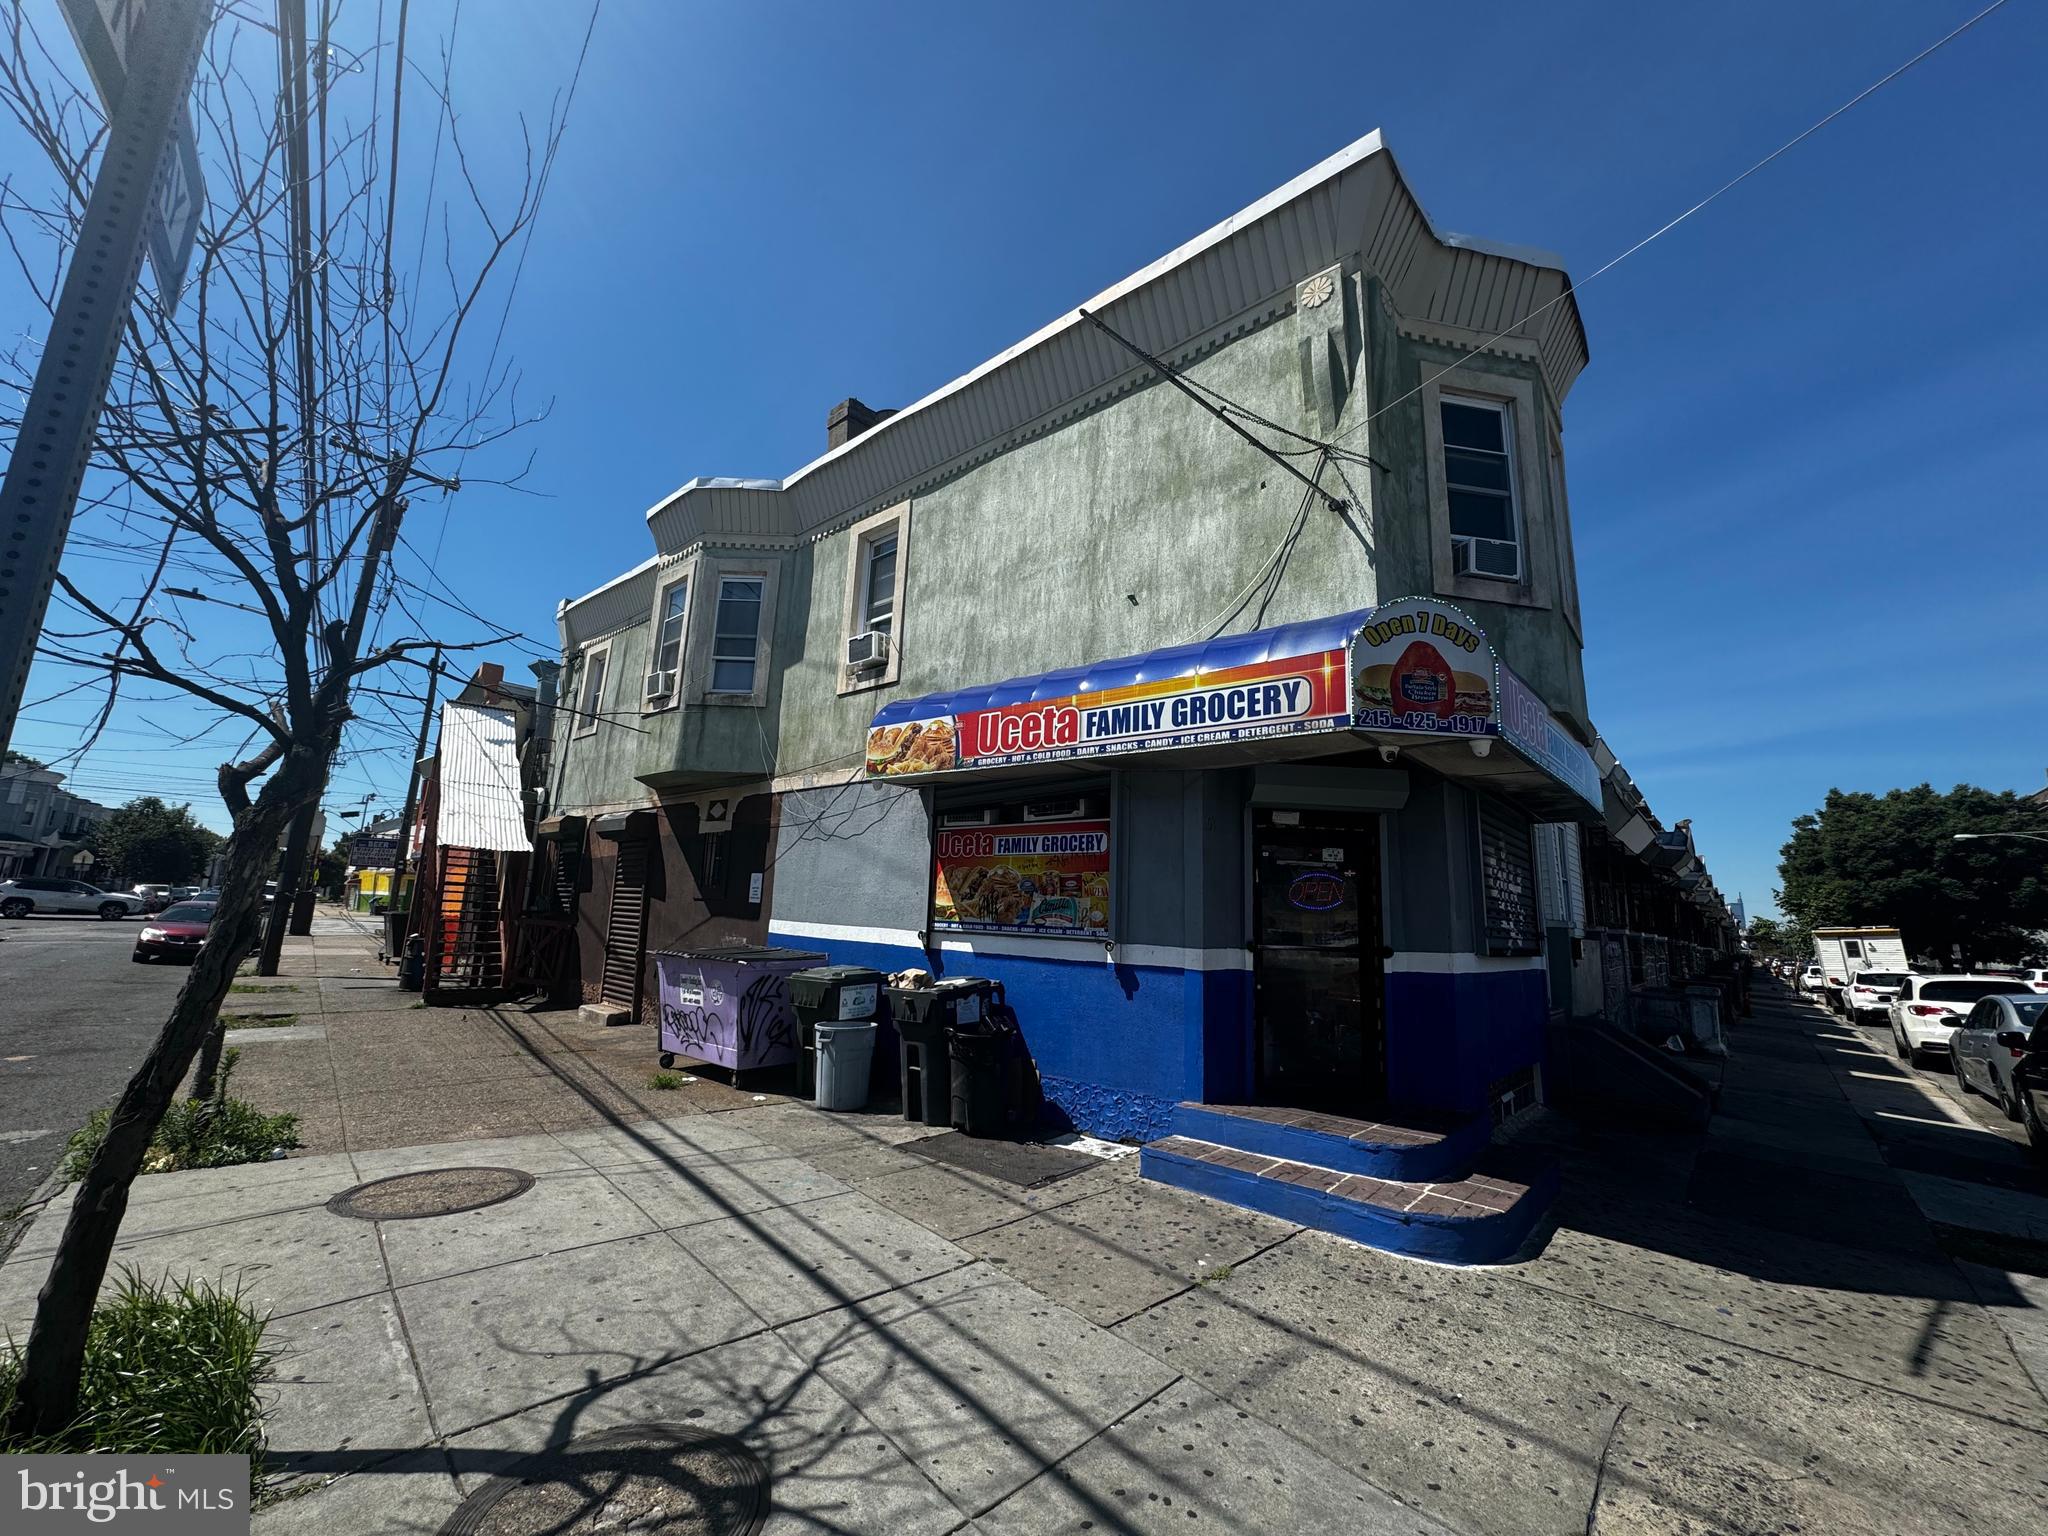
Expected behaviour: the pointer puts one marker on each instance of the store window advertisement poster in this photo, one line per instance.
(1048, 878)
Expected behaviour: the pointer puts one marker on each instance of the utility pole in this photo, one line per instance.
(412, 783)
(291, 872)
(292, 106)
(54, 442)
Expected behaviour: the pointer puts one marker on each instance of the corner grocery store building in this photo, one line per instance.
(1245, 797)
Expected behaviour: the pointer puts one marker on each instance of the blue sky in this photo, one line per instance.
(1809, 541)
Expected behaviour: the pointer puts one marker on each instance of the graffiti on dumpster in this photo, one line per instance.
(764, 1022)
(687, 1028)
(700, 1019)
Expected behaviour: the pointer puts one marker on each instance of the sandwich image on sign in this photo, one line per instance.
(916, 746)
(1422, 681)
(1421, 665)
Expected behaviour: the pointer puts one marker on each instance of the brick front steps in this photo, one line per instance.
(1479, 1213)
(1419, 1149)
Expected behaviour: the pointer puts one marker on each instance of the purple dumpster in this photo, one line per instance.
(729, 1007)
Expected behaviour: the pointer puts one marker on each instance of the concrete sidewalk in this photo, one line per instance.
(364, 1065)
(910, 1345)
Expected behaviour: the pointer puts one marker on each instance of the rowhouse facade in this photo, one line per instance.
(1257, 772)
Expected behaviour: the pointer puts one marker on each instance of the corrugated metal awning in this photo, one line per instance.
(480, 803)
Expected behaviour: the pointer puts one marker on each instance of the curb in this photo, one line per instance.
(18, 1227)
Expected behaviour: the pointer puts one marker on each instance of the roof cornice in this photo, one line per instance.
(1230, 279)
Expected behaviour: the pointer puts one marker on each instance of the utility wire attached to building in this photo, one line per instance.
(1225, 412)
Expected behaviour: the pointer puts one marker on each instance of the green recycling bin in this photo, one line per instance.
(830, 994)
(922, 1016)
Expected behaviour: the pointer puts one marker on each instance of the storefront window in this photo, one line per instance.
(1011, 867)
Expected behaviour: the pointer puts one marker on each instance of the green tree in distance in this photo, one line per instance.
(1780, 939)
(1892, 860)
(148, 840)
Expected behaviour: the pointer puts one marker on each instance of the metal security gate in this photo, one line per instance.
(625, 929)
(468, 956)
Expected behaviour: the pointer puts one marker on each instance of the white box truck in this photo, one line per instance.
(1842, 952)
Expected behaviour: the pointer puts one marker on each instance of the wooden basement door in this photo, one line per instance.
(625, 931)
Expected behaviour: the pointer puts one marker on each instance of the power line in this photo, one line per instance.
(1173, 377)
(525, 245)
(1572, 287)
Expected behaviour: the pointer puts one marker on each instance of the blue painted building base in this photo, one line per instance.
(1443, 1239)
(1445, 1157)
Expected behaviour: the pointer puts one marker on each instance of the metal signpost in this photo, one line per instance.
(141, 54)
(103, 30)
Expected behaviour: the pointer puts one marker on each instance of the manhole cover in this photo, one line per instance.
(649, 1479)
(433, 1192)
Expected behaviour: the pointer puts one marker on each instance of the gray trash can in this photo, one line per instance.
(846, 1054)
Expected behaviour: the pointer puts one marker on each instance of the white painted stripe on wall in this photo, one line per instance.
(1088, 951)
(1023, 946)
(844, 933)
(1434, 964)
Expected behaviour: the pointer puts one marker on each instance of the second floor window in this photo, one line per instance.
(668, 639)
(592, 693)
(736, 639)
(1479, 481)
(878, 584)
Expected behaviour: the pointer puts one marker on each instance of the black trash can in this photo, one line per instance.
(923, 1015)
(412, 968)
(979, 1104)
(394, 931)
(829, 994)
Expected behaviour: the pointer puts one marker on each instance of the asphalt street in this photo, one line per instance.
(76, 1016)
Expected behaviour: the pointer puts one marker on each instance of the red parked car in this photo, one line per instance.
(174, 933)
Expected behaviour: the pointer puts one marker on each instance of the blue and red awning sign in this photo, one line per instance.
(1417, 666)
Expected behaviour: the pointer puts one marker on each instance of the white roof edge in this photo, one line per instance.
(1529, 255)
(712, 483)
(617, 581)
(1357, 150)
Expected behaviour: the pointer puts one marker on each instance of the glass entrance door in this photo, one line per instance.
(1316, 960)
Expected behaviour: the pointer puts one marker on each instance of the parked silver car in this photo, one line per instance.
(1991, 1043)
(47, 893)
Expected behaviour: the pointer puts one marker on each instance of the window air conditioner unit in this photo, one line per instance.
(661, 685)
(867, 651)
(981, 816)
(1493, 559)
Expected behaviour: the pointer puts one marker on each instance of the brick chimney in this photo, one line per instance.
(849, 418)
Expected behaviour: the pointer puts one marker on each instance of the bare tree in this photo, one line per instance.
(263, 445)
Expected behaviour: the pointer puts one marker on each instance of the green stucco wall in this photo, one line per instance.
(1136, 526)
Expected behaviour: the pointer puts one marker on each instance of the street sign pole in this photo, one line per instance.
(40, 490)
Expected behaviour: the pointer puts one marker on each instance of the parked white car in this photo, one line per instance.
(1813, 980)
(47, 893)
(1991, 1042)
(1867, 999)
(1927, 1009)
(2034, 976)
